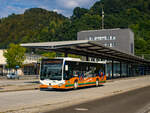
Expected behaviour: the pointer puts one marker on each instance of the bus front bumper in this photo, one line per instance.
(45, 86)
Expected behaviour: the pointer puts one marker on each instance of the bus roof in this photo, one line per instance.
(77, 60)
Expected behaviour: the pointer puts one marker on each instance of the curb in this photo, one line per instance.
(19, 90)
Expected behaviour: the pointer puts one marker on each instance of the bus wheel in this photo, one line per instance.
(97, 82)
(75, 85)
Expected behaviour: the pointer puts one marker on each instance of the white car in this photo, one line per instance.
(12, 76)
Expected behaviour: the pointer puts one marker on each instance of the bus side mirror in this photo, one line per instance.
(66, 67)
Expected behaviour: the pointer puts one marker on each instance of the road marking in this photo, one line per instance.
(81, 109)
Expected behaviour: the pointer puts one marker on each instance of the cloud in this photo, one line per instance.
(58, 10)
(16, 9)
(71, 4)
(8, 10)
(64, 7)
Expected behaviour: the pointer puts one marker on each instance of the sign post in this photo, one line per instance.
(17, 67)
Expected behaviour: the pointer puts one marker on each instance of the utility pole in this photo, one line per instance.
(102, 17)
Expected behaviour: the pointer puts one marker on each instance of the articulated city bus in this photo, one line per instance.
(65, 73)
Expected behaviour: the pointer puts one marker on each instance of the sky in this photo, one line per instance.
(65, 7)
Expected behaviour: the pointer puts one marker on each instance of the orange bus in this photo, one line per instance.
(65, 73)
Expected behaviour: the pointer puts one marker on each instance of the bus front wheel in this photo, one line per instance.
(75, 85)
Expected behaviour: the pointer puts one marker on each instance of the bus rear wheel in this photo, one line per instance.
(97, 82)
(75, 85)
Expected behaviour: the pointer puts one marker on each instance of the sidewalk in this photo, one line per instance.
(18, 85)
(18, 88)
(21, 85)
(35, 101)
(23, 77)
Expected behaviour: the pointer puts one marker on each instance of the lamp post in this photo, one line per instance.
(102, 17)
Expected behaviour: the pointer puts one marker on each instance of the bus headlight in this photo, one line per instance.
(60, 84)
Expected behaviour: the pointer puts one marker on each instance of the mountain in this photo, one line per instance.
(133, 14)
(35, 25)
(38, 25)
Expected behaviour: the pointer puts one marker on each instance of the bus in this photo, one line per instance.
(66, 73)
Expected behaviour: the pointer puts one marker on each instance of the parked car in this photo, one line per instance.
(12, 76)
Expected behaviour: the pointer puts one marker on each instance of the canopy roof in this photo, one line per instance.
(88, 48)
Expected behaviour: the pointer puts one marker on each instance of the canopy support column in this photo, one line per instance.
(66, 54)
(112, 69)
(127, 68)
(87, 58)
(120, 69)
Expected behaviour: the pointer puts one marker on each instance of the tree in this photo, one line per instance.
(78, 12)
(15, 55)
(49, 54)
(140, 46)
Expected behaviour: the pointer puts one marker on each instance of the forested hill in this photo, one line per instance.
(134, 14)
(37, 25)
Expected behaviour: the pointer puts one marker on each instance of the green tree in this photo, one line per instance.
(49, 54)
(78, 12)
(140, 45)
(15, 55)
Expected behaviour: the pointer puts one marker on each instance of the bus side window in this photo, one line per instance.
(75, 74)
(79, 74)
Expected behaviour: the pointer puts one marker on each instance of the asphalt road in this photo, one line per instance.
(136, 101)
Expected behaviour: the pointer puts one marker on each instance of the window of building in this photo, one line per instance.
(114, 44)
(103, 38)
(108, 38)
(111, 45)
(132, 48)
(113, 38)
(90, 38)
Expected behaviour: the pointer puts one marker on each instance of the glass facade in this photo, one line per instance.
(102, 38)
(111, 44)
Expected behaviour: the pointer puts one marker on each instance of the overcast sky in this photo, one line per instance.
(64, 7)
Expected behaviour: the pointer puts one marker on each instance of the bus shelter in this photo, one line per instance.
(96, 50)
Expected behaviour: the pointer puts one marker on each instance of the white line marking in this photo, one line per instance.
(81, 109)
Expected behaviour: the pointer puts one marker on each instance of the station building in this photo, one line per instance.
(119, 39)
(2, 63)
(115, 47)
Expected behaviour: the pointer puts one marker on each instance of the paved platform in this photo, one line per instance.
(10, 85)
(18, 85)
(35, 101)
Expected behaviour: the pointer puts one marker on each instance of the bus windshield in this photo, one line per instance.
(51, 69)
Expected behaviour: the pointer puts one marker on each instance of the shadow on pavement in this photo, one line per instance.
(67, 90)
(36, 82)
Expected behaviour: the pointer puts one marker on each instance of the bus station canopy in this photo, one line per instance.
(89, 49)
